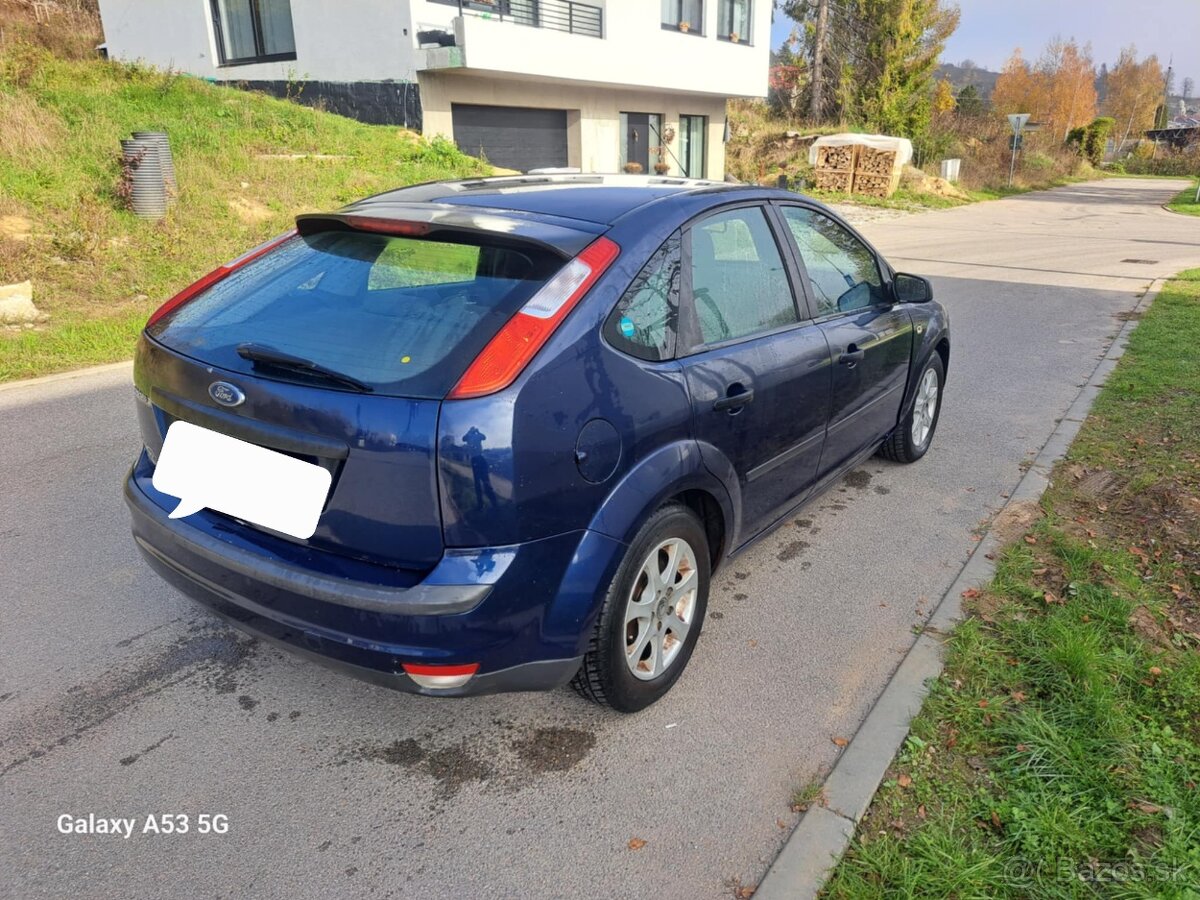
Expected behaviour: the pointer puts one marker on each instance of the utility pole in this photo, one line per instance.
(816, 110)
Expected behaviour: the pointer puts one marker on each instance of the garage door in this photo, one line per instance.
(513, 137)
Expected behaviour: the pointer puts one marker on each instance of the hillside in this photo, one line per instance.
(961, 76)
(246, 165)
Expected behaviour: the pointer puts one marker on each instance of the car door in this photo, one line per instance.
(870, 336)
(757, 369)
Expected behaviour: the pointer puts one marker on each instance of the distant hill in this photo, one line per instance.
(960, 76)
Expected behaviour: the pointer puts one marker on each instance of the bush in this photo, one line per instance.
(1146, 160)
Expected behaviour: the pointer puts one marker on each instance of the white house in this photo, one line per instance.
(527, 83)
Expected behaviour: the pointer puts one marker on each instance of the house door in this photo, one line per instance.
(640, 138)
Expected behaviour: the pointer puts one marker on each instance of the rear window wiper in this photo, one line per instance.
(270, 356)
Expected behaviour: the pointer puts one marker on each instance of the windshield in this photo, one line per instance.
(405, 316)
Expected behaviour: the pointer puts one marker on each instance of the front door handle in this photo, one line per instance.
(853, 356)
(734, 400)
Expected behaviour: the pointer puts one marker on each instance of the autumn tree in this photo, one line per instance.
(1059, 91)
(943, 98)
(1135, 90)
(1019, 89)
(1068, 77)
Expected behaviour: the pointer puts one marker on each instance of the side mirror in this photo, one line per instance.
(912, 289)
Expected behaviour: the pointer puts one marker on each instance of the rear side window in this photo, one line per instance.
(643, 322)
(739, 285)
(404, 315)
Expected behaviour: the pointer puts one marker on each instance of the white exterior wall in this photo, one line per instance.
(375, 40)
(636, 50)
(593, 114)
(361, 40)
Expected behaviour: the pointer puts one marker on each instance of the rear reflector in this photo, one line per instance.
(510, 351)
(216, 275)
(440, 676)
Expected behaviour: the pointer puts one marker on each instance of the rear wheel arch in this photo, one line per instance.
(708, 508)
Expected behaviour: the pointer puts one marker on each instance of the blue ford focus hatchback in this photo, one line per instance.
(549, 408)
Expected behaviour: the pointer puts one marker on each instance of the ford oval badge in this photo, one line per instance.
(226, 394)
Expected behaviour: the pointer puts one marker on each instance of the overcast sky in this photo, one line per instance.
(990, 29)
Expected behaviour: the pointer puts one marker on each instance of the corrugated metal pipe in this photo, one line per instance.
(148, 159)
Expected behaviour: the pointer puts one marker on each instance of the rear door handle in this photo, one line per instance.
(734, 402)
(852, 356)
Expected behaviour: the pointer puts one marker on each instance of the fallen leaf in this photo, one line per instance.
(970, 593)
(921, 811)
(1030, 539)
(780, 824)
(983, 704)
(996, 823)
(1155, 671)
(1018, 696)
(636, 843)
(1022, 748)
(840, 741)
(1142, 806)
(1052, 598)
(1042, 571)
(746, 892)
(904, 781)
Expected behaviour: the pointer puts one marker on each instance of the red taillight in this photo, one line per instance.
(510, 351)
(216, 275)
(440, 676)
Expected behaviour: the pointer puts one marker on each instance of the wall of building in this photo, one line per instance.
(635, 51)
(593, 113)
(366, 40)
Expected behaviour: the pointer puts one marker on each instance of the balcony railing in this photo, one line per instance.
(557, 15)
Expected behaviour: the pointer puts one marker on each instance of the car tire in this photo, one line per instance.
(636, 653)
(911, 439)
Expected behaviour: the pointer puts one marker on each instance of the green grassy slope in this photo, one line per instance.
(246, 165)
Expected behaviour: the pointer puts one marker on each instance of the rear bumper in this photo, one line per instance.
(523, 612)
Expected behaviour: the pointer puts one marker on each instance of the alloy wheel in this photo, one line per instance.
(660, 608)
(925, 408)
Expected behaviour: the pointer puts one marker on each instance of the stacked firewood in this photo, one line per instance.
(834, 171)
(876, 173)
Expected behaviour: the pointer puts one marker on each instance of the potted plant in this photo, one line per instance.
(662, 168)
(634, 168)
(734, 36)
(685, 26)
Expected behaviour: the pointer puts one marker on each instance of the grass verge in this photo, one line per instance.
(1058, 755)
(1185, 203)
(246, 165)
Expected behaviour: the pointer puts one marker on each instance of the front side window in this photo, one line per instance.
(844, 274)
(253, 30)
(685, 15)
(733, 20)
(643, 322)
(739, 285)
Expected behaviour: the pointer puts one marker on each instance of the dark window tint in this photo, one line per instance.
(643, 322)
(254, 30)
(843, 273)
(739, 286)
(404, 316)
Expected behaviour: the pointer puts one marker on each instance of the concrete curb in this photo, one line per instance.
(822, 836)
(66, 376)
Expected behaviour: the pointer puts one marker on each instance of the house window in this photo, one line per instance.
(250, 31)
(683, 15)
(692, 145)
(733, 21)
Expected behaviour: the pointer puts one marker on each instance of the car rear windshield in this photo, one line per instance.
(404, 316)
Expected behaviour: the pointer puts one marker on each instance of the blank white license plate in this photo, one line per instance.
(206, 469)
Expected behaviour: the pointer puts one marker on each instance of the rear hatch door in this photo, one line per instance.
(340, 345)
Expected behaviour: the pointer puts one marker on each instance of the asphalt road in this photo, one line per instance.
(120, 699)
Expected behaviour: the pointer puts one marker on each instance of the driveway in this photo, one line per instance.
(120, 699)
